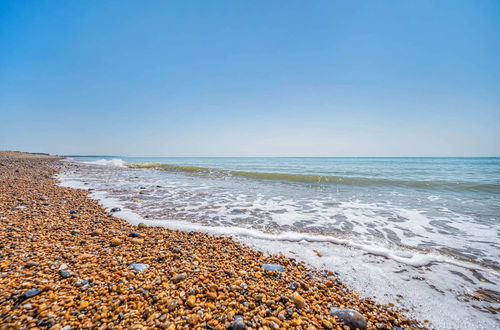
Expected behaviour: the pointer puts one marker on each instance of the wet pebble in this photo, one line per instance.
(353, 319)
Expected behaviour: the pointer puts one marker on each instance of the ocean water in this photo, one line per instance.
(420, 232)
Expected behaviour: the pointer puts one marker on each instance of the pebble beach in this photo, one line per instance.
(67, 263)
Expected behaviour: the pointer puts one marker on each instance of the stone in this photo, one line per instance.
(20, 207)
(115, 209)
(141, 225)
(327, 324)
(137, 240)
(64, 273)
(30, 264)
(138, 267)
(27, 295)
(273, 268)
(238, 323)
(298, 300)
(75, 231)
(73, 211)
(115, 242)
(191, 301)
(43, 198)
(178, 277)
(134, 234)
(96, 232)
(172, 305)
(353, 319)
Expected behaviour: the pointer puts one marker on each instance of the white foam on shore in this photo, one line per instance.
(107, 162)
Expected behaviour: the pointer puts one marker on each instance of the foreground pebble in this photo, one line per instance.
(349, 317)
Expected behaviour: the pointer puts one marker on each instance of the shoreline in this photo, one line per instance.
(88, 269)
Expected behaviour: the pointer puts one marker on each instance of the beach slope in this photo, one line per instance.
(67, 263)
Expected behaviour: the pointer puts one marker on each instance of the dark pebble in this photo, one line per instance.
(64, 273)
(115, 209)
(27, 295)
(349, 317)
(238, 323)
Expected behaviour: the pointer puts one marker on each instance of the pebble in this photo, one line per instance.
(115, 242)
(64, 273)
(178, 277)
(273, 267)
(96, 232)
(137, 240)
(298, 300)
(353, 319)
(172, 305)
(115, 209)
(191, 301)
(238, 323)
(30, 264)
(138, 267)
(27, 295)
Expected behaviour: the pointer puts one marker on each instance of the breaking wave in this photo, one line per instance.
(312, 178)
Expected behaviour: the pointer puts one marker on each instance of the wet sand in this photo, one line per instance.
(66, 263)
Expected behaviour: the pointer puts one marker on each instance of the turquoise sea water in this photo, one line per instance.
(434, 219)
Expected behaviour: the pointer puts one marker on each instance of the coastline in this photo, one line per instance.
(75, 258)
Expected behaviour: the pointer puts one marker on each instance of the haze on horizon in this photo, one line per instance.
(227, 78)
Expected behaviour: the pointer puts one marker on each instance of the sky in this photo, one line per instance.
(251, 78)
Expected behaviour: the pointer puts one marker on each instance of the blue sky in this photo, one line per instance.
(251, 78)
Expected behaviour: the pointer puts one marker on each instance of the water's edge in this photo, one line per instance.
(408, 292)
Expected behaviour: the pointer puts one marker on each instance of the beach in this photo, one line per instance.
(417, 232)
(66, 262)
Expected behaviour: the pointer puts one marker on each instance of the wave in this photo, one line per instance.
(403, 254)
(108, 162)
(322, 179)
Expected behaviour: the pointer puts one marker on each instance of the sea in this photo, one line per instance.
(422, 233)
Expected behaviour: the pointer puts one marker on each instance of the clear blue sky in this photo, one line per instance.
(251, 78)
